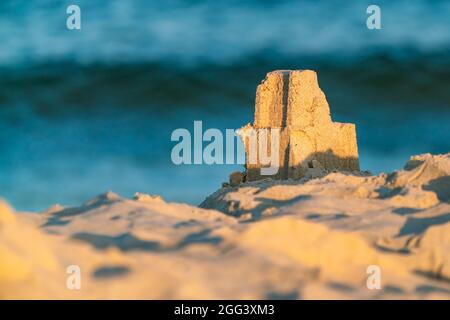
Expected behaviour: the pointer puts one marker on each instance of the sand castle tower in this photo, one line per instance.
(292, 102)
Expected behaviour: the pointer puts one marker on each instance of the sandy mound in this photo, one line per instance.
(310, 238)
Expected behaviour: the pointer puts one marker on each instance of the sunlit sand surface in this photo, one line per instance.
(303, 239)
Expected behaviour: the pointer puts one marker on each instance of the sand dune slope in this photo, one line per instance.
(312, 238)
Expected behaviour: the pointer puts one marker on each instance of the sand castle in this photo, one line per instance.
(292, 102)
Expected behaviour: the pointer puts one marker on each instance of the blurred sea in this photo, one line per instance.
(83, 112)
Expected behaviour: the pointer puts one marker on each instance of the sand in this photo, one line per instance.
(293, 108)
(313, 238)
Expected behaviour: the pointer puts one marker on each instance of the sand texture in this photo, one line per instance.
(296, 239)
(291, 101)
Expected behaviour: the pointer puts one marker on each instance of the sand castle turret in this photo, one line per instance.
(291, 102)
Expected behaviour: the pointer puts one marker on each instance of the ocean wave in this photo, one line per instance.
(388, 80)
(186, 32)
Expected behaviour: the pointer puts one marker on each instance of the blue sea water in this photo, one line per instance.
(91, 110)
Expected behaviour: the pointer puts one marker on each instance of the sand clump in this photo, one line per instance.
(291, 102)
(24, 255)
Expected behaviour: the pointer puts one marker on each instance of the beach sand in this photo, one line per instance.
(313, 238)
